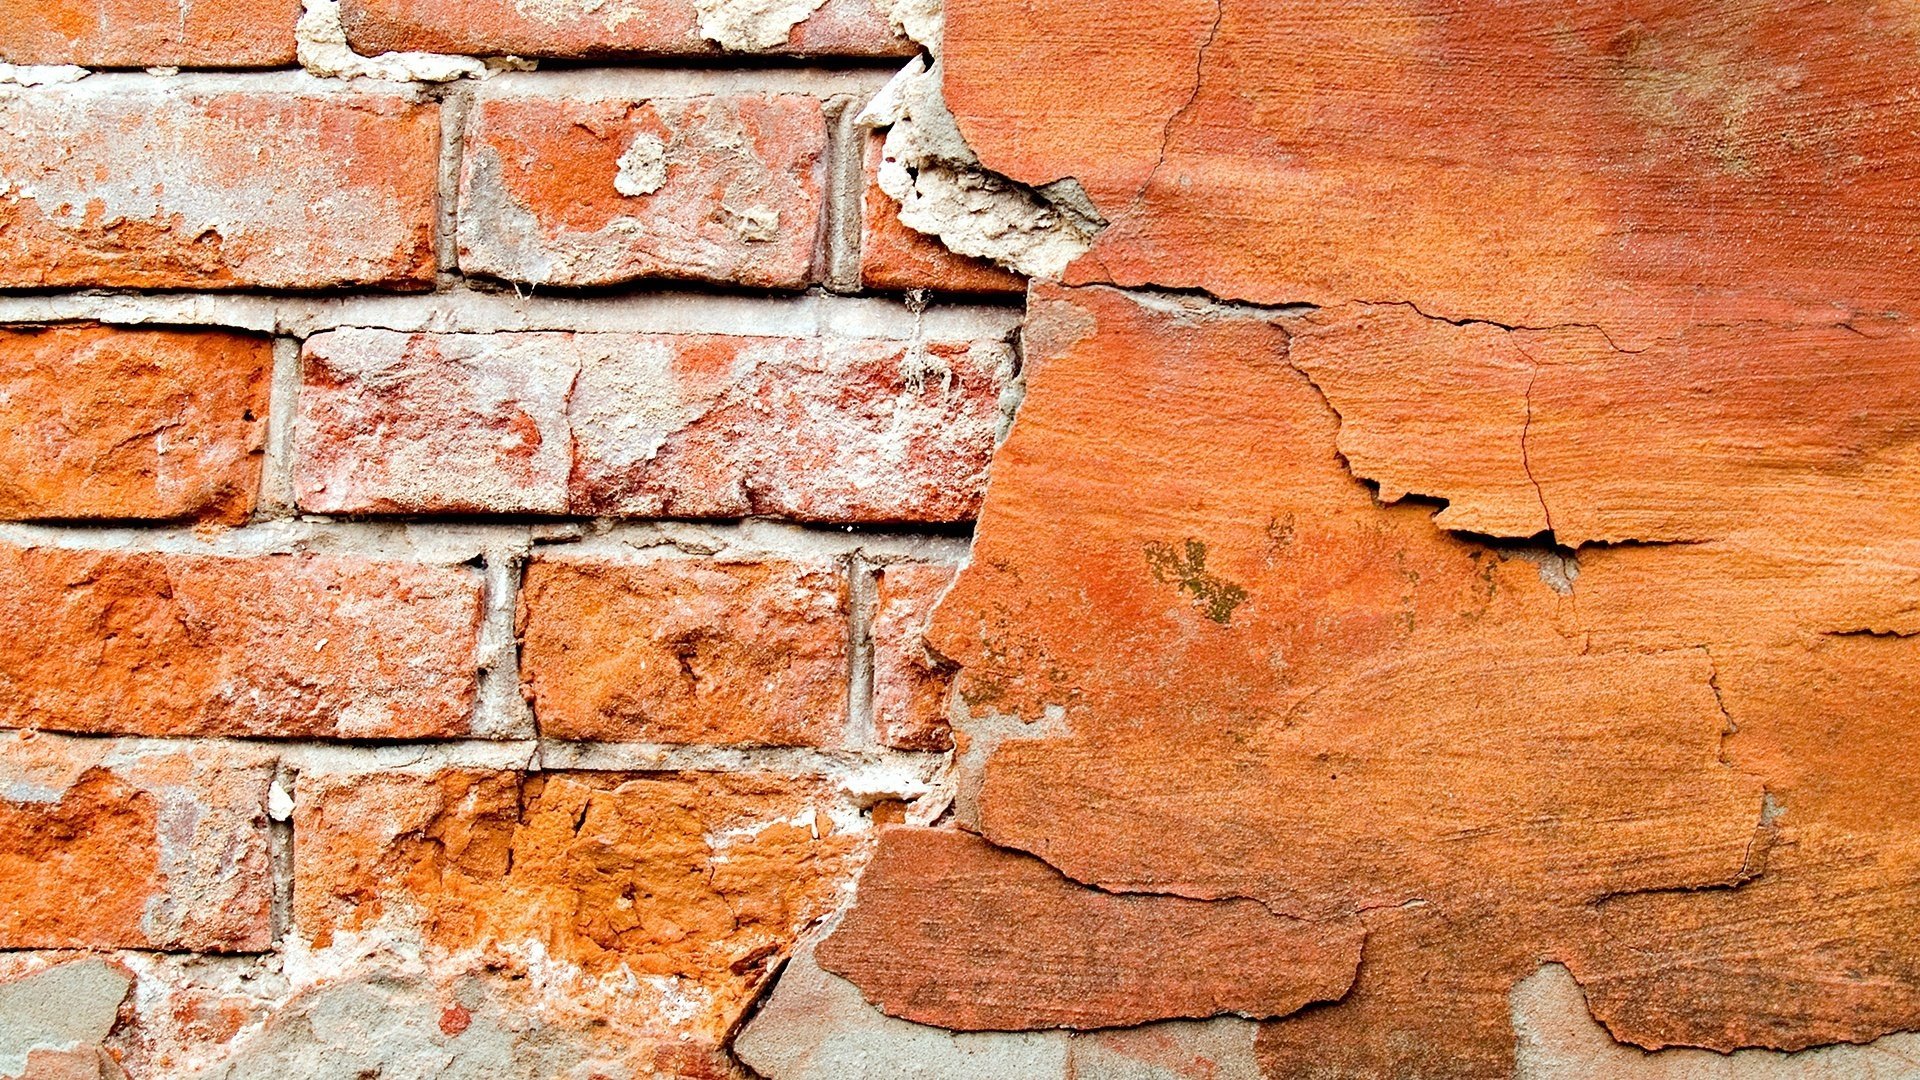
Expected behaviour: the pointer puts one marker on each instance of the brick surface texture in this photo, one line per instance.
(984, 540)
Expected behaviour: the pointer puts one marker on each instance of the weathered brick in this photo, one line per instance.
(909, 683)
(670, 895)
(149, 33)
(274, 181)
(278, 645)
(579, 31)
(567, 183)
(680, 425)
(104, 423)
(686, 650)
(435, 423)
(896, 258)
(103, 846)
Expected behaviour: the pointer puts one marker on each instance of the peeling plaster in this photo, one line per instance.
(321, 44)
(1557, 1039)
(928, 169)
(62, 1008)
(40, 74)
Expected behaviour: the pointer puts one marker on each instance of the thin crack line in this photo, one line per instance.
(1526, 428)
(1199, 80)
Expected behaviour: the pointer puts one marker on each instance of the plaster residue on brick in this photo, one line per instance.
(751, 25)
(928, 169)
(40, 74)
(104, 181)
(173, 851)
(643, 167)
(570, 189)
(653, 424)
(323, 50)
(942, 189)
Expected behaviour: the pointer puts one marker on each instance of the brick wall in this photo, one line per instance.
(498, 575)
(468, 525)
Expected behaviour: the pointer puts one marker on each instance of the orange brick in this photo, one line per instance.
(105, 848)
(272, 181)
(896, 258)
(564, 184)
(692, 885)
(909, 683)
(280, 645)
(627, 28)
(687, 651)
(149, 33)
(677, 425)
(157, 424)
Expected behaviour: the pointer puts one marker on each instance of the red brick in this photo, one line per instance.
(278, 645)
(910, 684)
(434, 423)
(216, 182)
(591, 30)
(820, 429)
(896, 258)
(104, 423)
(722, 188)
(687, 651)
(149, 33)
(103, 847)
(656, 889)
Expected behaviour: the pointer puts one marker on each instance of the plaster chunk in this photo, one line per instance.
(61, 1009)
(928, 169)
(643, 168)
(1558, 1040)
(323, 50)
(751, 25)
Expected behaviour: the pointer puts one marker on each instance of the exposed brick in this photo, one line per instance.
(713, 426)
(279, 645)
(215, 182)
(104, 423)
(563, 184)
(896, 258)
(435, 423)
(659, 889)
(578, 31)
(909, 683)
(149, 33)
(103, 847)
(687, 651)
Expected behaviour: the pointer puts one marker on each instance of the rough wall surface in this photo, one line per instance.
(538, 540)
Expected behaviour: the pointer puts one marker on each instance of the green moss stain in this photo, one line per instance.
(1185, 566)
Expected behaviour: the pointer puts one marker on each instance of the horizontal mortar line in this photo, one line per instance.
(469, 310)
(661, 77)
(452, 542)
(874, 769)
(601, 79)
(241, 956)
